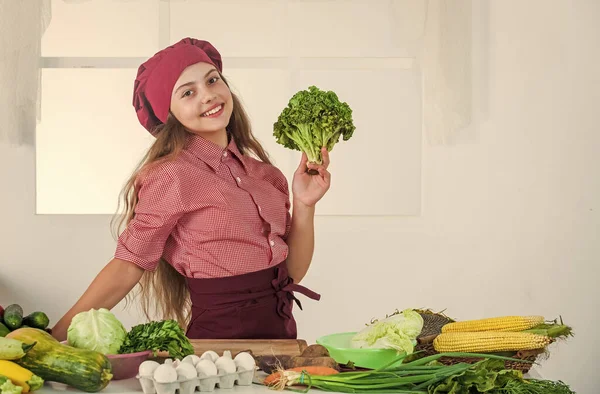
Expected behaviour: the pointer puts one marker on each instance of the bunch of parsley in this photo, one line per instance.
(164, 335)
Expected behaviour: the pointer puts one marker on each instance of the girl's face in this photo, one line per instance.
(201, 100)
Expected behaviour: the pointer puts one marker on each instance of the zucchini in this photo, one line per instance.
(13, 316)
(3, 330)
(37, 320)
(20, 376)
(85, 370)
(13, 349)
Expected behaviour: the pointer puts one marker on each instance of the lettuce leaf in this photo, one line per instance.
(397, 332)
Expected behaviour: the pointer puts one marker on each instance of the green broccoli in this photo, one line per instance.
(313, 119)
(7, 387)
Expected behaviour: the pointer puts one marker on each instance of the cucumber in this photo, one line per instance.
(37, 320)
(13, 316)
(3, 330)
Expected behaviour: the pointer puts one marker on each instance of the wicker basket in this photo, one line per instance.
(432, 327)
(528, 357)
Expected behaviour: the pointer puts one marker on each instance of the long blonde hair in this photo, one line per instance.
(164, 292)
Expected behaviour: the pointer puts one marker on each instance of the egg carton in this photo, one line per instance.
(189, 386)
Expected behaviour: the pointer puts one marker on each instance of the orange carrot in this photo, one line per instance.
(274, 378)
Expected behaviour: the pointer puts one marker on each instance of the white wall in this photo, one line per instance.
(510, 215)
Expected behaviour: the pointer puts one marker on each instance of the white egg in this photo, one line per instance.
(148, 367)
(165, 373)
(244, 362)
(225, 365)
(192, 359)
(205, 368)
(210, 355)
(186, 371)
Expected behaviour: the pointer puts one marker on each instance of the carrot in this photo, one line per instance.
(274, 378)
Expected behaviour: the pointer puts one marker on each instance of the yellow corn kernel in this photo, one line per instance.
(505, 323)
(489, 341)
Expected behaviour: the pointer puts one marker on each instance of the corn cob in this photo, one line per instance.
(506, 323)
(482, 342)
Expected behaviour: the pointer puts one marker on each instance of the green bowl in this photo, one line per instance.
(341, 350)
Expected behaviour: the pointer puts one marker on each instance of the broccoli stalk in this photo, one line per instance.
(313, 119)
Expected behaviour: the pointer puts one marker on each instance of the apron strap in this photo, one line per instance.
(284, 290)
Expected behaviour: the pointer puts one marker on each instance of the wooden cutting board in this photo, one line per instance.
(258, 347)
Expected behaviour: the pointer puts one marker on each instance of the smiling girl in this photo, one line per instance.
(208, 235)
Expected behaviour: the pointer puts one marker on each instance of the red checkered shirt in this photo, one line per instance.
(211, 212)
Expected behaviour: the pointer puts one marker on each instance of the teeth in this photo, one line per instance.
(212, 111)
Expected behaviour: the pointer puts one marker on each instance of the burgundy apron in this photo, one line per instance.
(257, 305)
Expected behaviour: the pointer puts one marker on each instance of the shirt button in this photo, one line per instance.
(237, 178)
(224, 154)
(272, 242)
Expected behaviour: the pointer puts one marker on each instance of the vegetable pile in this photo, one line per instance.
(14, 379)
(100, 330)
(314, 119)
(29, 356)
(453, 357)
(423, 376)
(13, 318)
(50, 360)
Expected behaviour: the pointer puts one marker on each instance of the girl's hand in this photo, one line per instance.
(307, 188)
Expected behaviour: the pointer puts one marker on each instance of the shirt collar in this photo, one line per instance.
(211, 153)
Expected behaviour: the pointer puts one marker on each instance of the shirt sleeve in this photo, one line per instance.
(158, 209)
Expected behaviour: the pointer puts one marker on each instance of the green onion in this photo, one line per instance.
(413, 377)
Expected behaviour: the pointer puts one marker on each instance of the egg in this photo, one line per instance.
(148, 367)
(244, 362)
(186, 371)
(206, 368)
(210, 355)
(165, 373)
(225, 365)
(192, 359)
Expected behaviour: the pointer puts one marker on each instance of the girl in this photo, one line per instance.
(208, 226)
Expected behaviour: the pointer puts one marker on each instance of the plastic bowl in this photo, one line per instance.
(125, 366)
(341, 350)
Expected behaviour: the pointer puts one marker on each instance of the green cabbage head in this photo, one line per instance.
(97, 330)
(397, 332)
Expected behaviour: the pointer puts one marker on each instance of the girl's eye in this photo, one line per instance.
(212, 80)
(186, 93)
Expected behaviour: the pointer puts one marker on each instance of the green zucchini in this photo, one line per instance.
(13, 316)
(37, 320)
(85, 370)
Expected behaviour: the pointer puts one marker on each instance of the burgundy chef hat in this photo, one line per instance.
(157, 76)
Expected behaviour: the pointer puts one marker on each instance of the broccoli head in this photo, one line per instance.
(314, 119)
